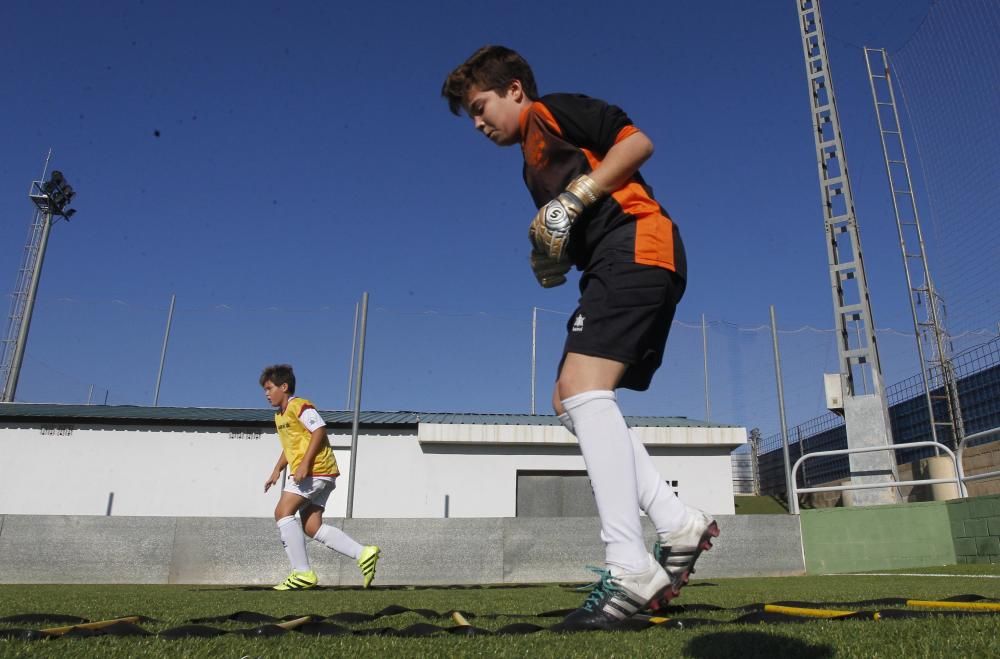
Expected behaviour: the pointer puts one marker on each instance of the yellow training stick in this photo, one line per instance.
(57, 631)
(292, 624)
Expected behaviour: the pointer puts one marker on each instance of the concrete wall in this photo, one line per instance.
(877, 538)
(975, 528)
(198, 550)
(185, 471)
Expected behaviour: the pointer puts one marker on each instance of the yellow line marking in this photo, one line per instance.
(88, 625)
(957, 606)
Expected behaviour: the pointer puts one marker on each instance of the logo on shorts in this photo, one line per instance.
(578, 322)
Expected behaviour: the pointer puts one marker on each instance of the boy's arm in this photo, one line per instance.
(622, 162)
(276, 472)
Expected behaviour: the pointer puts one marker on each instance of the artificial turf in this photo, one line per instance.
(170, 606)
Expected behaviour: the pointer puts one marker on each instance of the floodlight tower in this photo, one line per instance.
(936, 368)
(866, 414)
(51, 199)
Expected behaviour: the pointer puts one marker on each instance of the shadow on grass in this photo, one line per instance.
(754, 644)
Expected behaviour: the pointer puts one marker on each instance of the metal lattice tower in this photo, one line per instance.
(857, 347)
(936, 368)
(866, 414)
(37, 236)
(51, 198)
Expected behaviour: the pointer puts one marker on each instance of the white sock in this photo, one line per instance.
(657, 500)
(609, 456)
(294, 541)
(338, 541)
(665, 510)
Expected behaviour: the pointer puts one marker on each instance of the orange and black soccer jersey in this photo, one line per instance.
(565, 135)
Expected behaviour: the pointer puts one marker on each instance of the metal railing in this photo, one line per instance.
(793, 500)
(961, 452)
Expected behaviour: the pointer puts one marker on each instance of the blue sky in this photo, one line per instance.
(268, 163)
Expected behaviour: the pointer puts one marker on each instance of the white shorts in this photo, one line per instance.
(317, 489)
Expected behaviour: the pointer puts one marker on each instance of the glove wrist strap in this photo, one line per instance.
(586, 190)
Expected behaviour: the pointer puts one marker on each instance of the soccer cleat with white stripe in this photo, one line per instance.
(299, 580)
(367, 561)
(617, 597)
(677, 552)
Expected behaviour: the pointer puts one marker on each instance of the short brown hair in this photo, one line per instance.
(491, 68)
(279, 374)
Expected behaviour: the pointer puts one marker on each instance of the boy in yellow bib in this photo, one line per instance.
(313, 472)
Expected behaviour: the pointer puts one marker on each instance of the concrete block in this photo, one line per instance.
(430, 551)
(84, 549)
(988, 546)
(754, 545)
(867, 417)
(965, 546)
(555, 549)
(982, 507)
(957, 528)
(975, 528)
(231, 550)
(993, 525)
(959, 510)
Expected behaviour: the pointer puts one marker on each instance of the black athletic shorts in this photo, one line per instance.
(624, 313)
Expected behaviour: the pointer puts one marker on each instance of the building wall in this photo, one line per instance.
(213, 472)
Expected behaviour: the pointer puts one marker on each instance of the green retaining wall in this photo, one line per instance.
(975, 527)
(901, 536)
(877, 538)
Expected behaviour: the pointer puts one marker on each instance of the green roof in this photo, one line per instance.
(134, 414)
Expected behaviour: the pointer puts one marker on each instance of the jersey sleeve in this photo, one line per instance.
(310, 418)
(589, 123)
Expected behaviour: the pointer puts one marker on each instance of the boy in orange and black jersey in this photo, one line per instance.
(313, 471)
(581, 166)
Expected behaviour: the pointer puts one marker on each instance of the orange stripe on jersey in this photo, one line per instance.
(307, 406)
(543, 112)
(654, 231)
(628, 131)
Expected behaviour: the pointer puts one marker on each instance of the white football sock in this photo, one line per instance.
(294, 541)
(657, 500)
(338, 541)
(609, 456)
(665, 510)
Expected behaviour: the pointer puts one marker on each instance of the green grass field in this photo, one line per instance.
(173, 606)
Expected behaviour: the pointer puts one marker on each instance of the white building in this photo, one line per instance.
(210, 462)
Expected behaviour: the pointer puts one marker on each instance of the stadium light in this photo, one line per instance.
(57, 194)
